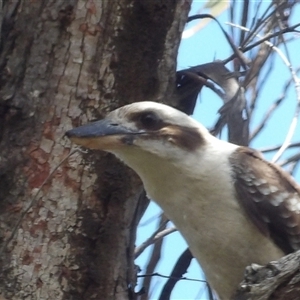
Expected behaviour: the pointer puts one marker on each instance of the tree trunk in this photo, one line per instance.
(67, 230)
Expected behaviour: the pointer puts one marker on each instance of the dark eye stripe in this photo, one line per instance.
(148, 120)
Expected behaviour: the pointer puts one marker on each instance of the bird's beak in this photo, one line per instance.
(103, 135)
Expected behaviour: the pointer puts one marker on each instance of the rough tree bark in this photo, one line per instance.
(68, 233)
(67, 230)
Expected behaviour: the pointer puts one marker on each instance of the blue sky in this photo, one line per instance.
(194, 51)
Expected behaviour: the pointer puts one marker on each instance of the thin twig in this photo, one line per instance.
(235, 49)
(179, 269)
(154, 258)
(244, 20)
(293, 166)
(294, 122)
(151, 219)
(289, 136)
(156, 236)
(267, 37)
(261, 23)
(293, 158)
(271, 35)
(267, 116)
(272, 108)
(165, 276)
(275, 148)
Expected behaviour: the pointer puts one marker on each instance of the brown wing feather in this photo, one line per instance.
(270, 197)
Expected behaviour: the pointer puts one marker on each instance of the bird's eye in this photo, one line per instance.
(150, 121)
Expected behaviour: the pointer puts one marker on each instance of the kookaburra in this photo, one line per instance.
(232, 207)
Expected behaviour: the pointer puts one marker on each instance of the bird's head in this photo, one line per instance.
(142, 128)
(162, 144)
